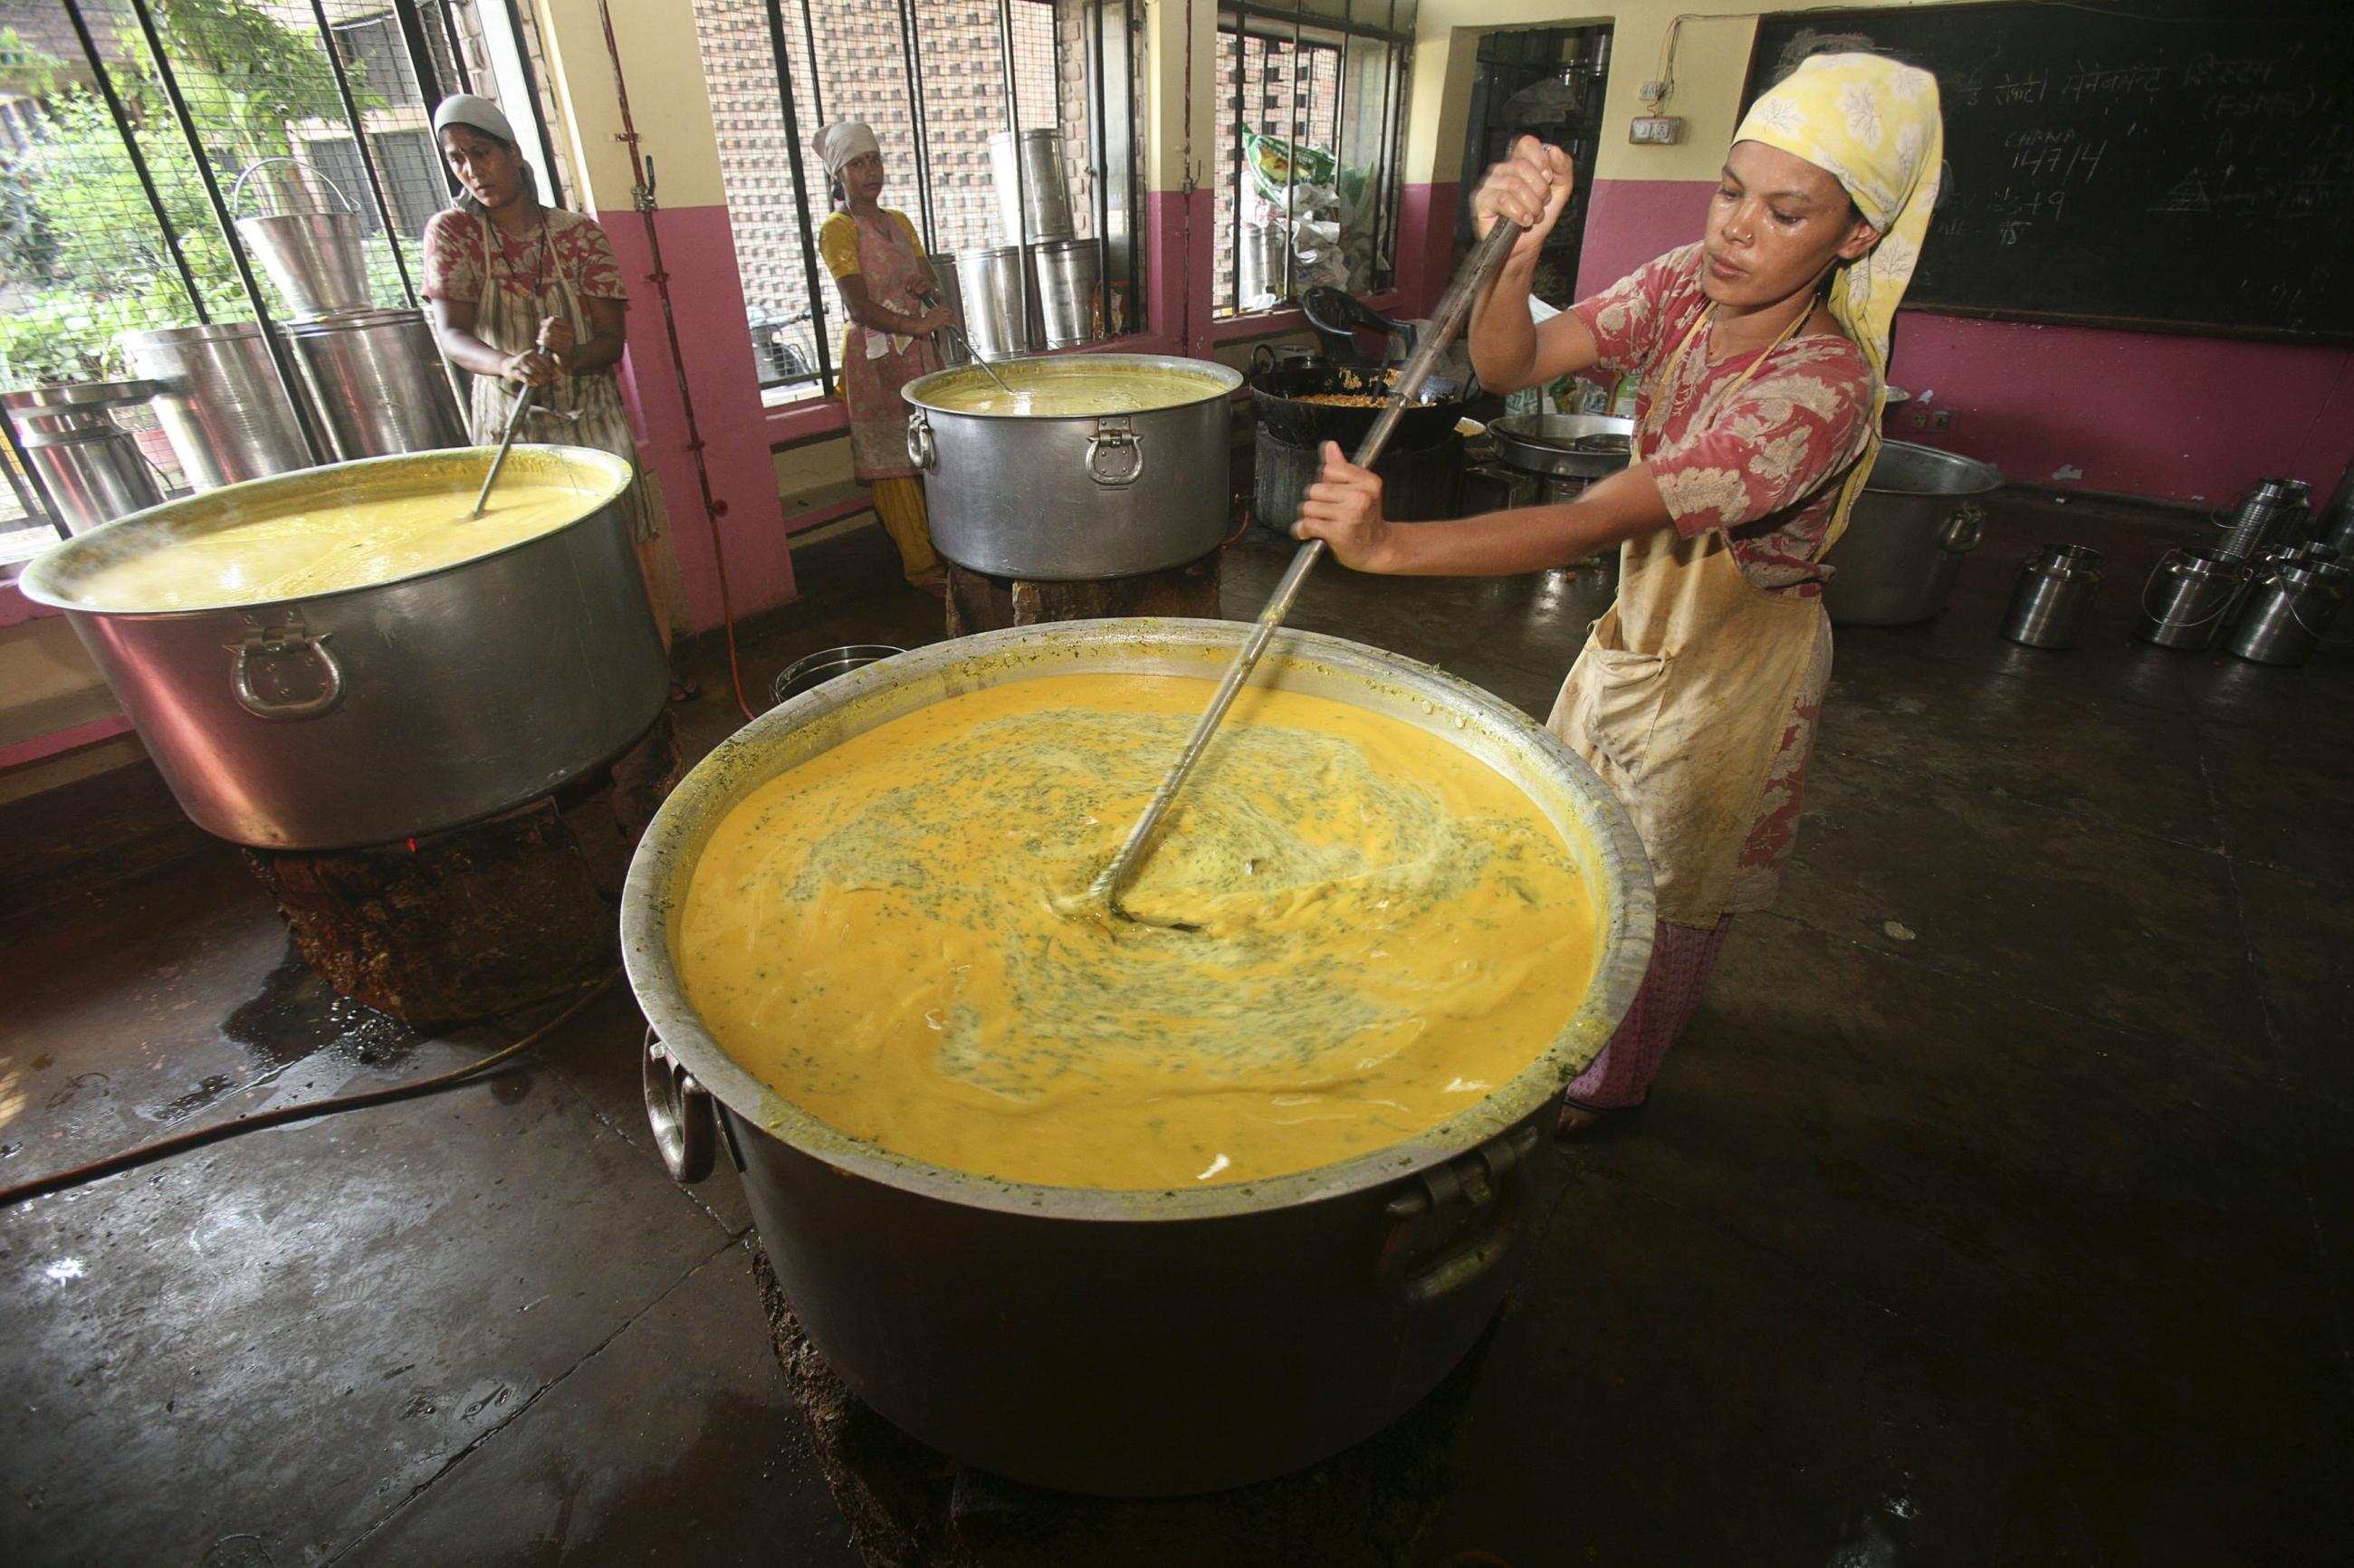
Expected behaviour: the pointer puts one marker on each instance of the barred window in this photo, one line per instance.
(114, 111)
(1311, 95)
(935, 79)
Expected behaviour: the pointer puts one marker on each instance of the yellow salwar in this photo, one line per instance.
(900, 504)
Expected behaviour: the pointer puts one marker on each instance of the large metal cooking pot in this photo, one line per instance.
(377, 381)
(1130, 1342)
(381, 713)
(1920, 514)
(1072, 497)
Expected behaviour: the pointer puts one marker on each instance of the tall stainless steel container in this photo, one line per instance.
(1066, 292)
(2271, 511)
(2335, 526)
(1039, 188)
(376, 379)
(1260, 279)
(93, 469)
(951, 345)
(1921, 511)
(1069, 497)
(2188, 597)
(990, 279)
(2288, 612)
(223, 408)
(1143, 1342)
(375, 713)
(2053, 596)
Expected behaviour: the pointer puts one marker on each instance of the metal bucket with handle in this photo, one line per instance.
(318, 259)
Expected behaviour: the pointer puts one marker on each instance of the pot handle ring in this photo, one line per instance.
(275, 642)
(1114, 435)
(680, 1112)
(1488, 1178)
(920, 450)
(1964, 526)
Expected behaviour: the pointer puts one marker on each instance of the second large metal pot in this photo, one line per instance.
(1921, 512)
(1132, 1343)
(1073, 497)
(380, 713)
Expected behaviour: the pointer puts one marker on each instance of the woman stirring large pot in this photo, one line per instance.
(881, 271)
(1763, 351)
(529, 295)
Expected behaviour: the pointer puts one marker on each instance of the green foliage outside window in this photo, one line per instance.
(82, 259)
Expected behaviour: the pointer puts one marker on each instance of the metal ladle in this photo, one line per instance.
(971, 352)
(1454, 310)
(499, 458)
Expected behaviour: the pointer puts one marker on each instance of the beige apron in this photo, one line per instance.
(576, 411)
(1684, 688)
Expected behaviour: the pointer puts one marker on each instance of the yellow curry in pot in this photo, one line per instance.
(1386, 930)
(339, 542)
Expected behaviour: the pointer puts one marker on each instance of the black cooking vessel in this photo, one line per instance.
(1276, 392)
(1131, 1342)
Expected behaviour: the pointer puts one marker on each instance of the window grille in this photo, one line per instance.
(113, 113)
(1330, 77)
(935, 79)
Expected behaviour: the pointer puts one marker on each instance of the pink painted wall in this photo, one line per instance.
(707, 296)
(2193, 420)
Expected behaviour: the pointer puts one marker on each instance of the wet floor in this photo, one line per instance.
(1999, 1207)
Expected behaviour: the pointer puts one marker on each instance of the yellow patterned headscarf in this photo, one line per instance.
(1874, 125)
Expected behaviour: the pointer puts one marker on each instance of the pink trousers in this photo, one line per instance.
(1681, 957)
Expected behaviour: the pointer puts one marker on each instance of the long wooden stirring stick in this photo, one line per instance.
(1454, 310)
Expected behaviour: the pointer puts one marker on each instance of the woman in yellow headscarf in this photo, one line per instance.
(1762, 351)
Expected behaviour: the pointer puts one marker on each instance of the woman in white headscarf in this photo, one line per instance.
(1762, 351)
(529, 295)
(884, 278)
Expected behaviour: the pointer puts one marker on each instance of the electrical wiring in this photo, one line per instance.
(641, 174)
(165, 1148)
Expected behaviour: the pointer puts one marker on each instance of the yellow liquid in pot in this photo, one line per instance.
(1073, 392)
(1388, 932)
(336, 544)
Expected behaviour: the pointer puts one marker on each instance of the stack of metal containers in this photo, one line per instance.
(372, 381)
(1037, 287)
(2270, 591)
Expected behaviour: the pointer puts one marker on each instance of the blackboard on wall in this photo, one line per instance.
(2178, 164)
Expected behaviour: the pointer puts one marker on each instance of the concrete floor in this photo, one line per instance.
(1998, 1208)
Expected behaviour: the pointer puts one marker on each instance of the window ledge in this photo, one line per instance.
(1287, 318)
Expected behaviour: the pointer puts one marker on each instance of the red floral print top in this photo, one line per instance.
(1766, 466)
(457, 260)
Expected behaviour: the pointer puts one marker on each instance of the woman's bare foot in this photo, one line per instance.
(1575, 1119)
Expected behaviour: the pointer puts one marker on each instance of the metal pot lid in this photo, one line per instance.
(60, 396)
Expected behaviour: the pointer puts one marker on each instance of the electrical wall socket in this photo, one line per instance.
(1656, 130)
(1650, 90)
